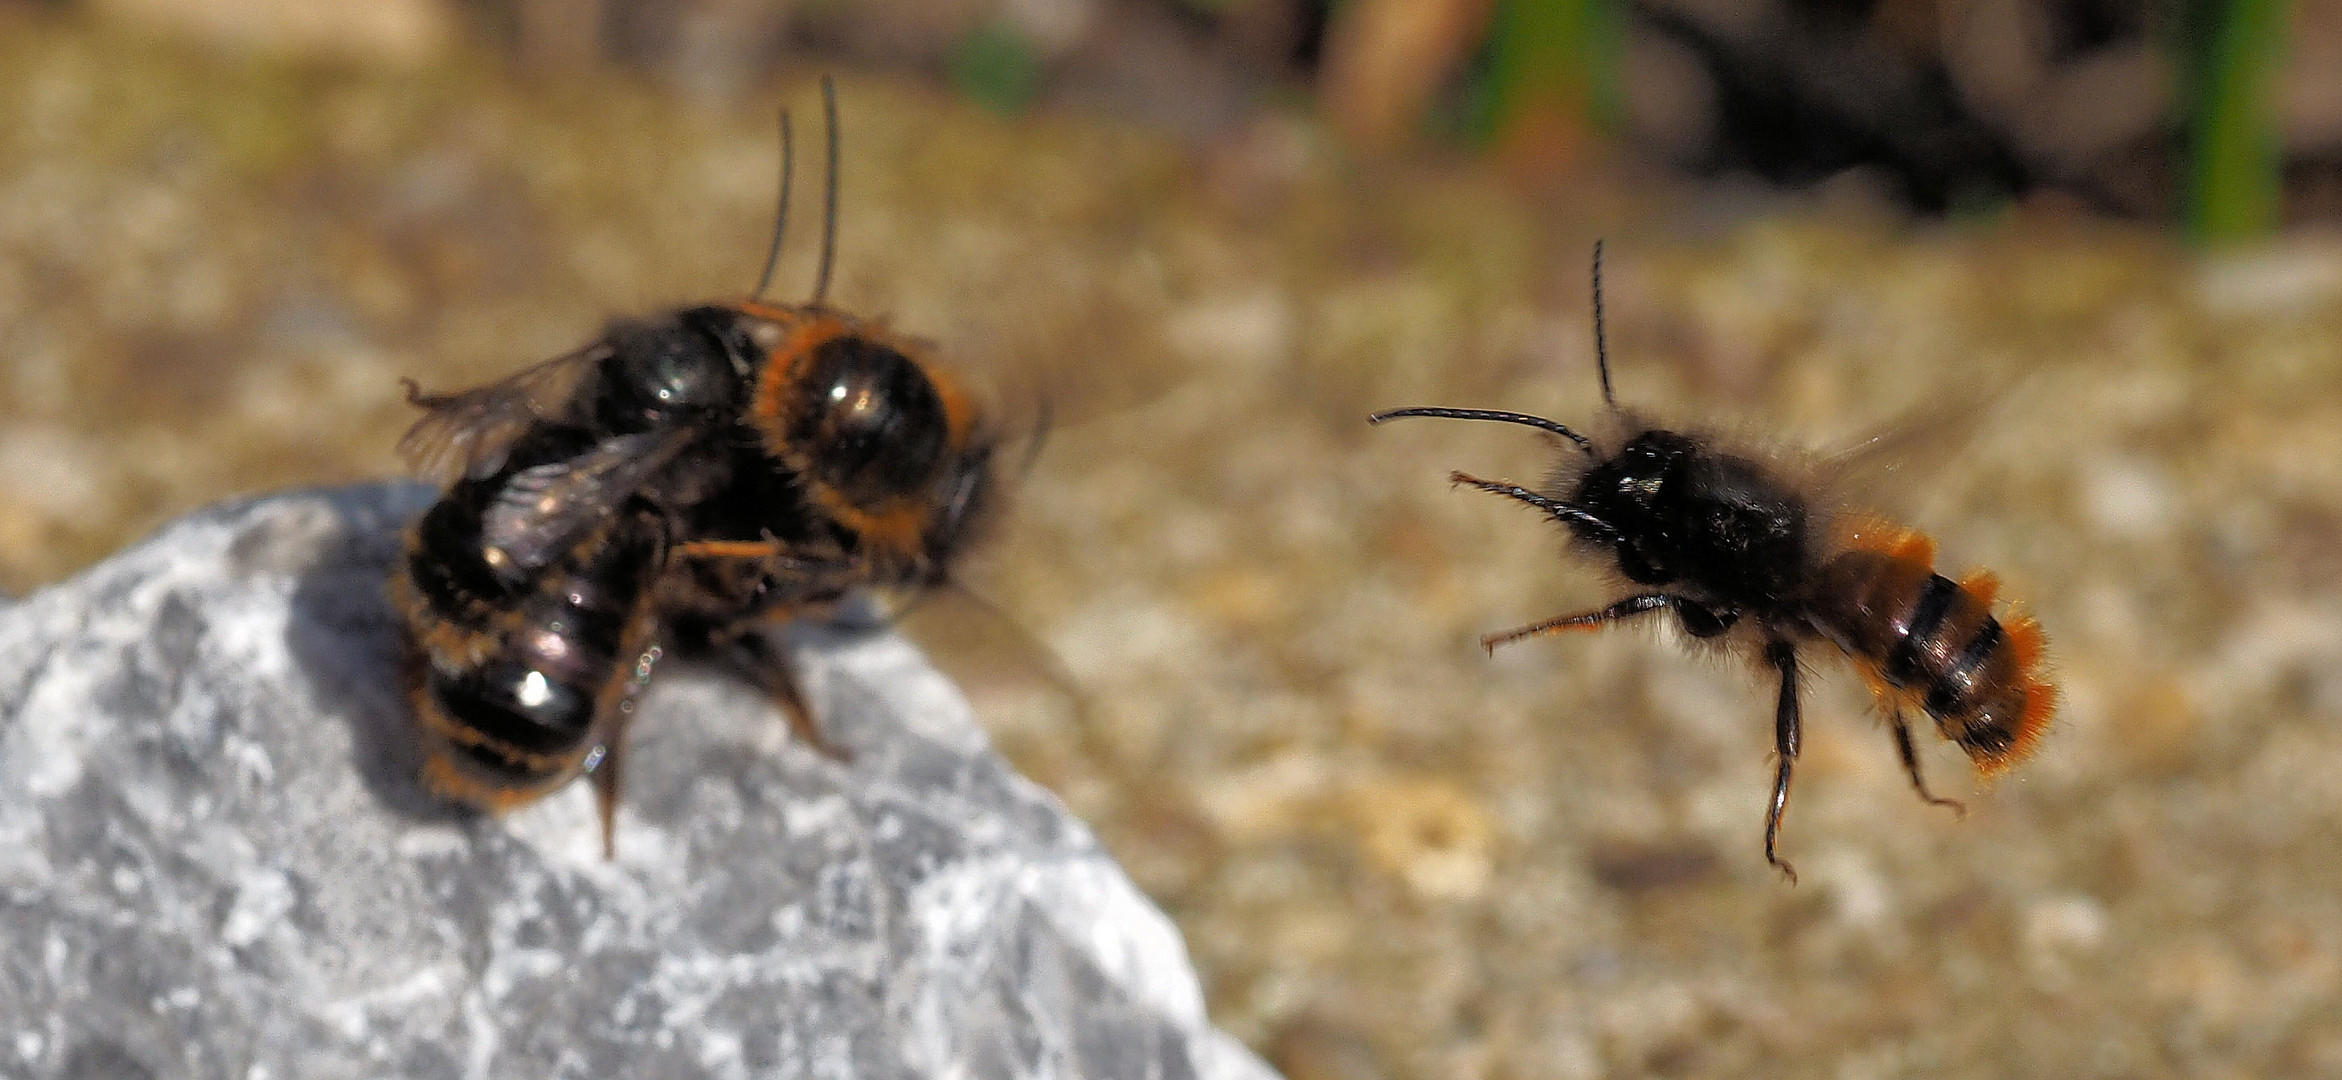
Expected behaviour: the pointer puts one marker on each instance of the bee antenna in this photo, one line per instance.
(829, 205)
(772, 255)
(1601, 343)
(1524, 419)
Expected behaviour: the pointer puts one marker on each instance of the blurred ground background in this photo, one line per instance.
(1215, 236)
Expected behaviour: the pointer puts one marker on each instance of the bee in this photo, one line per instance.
(1737, 545)
(681, 483)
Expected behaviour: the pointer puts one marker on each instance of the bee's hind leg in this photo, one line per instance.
(1786, 735)
(606, 783)
(1911, 764)
(757, 658)
(607, 761)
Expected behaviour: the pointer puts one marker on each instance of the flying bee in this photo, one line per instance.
(1739, 547)
(683, 482)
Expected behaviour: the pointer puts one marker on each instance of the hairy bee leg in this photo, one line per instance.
(757, 660)
(608, 762)
(1584, 620)
(773, 555)
(1783, 656)
(730, 549)
(606, 782)
(1699, 620)
(1910, 757)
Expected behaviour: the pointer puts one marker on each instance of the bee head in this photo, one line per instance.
(1627, 484)
(1625, 490)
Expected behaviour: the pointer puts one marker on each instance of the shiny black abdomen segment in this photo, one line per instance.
(444, 562)
(1953, 692)
(512, 704)
(532, 703)
(1907, 661)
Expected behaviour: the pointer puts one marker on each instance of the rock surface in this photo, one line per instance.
(214, 861)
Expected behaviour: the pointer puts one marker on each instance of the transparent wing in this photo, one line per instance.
(1013, 677)
(542, 512)
(466, 435)
(1891, 462)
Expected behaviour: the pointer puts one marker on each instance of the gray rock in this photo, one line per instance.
(214, 860)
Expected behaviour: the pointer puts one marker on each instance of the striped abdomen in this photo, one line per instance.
(1931, 642)
(516, 682)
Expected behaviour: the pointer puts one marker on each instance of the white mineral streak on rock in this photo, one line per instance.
(214, 861)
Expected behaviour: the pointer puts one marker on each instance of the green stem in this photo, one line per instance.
(2235, 183)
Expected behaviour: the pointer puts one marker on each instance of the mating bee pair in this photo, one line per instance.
(688, 481)
(681, 483)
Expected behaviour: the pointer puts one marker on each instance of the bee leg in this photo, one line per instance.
(1584, 620)
(1911, 765)
(606, 763)
(606, 781)
(729, 549)
(1699, 620)
(1782, 655)
(758, 660)
(781, 683)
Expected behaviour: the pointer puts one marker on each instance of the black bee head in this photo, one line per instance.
(1624, 489)
(1627, 490)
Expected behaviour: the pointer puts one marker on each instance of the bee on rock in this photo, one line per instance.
(1737, 546)
(684, 482)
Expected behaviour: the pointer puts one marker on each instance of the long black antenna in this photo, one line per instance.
(1538, 422)
(772, 255)
(829, 204)
(1601, 344)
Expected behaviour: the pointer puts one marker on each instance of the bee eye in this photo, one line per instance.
(870, 420)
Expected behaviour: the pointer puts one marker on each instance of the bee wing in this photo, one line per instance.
(465, 435)
(543, 511)
(1890, 462)
(995, 659)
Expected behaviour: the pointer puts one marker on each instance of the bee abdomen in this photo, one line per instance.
(1934, 642)
(513, 705)
(444, 571)
(515, 695)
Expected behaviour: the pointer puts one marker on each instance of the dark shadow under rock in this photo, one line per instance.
(214, 861)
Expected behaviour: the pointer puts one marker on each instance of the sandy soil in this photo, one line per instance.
(1392, 855)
